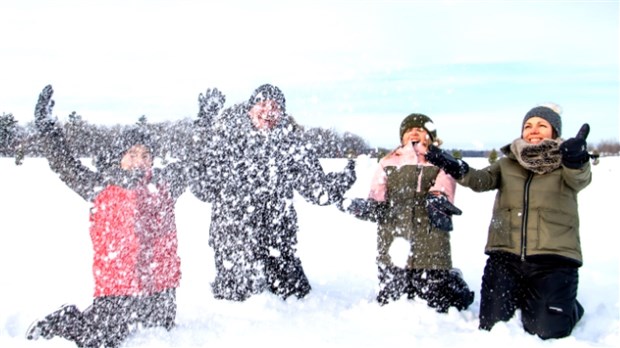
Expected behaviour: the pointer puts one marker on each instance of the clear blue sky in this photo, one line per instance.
(475, 67)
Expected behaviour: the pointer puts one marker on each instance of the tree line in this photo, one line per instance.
(174, 138)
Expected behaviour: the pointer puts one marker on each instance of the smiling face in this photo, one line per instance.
(416, 134)
(265, 114)
(138, 157)
(536, 129)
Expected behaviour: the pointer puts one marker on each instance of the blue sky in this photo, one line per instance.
(475, 67)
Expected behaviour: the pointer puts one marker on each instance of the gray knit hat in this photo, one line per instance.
(548, 115)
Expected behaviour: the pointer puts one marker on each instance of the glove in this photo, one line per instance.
(364, 209)
(342, 181)
(210, 105)
(575, 150)
(348, 174)
(43, 111)
(440, 211)
(456, 168)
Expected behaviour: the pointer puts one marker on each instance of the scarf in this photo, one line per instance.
(541, 158)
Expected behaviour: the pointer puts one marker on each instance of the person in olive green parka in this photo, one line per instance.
(533, 243)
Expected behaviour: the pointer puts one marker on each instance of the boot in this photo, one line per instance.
(53, 324)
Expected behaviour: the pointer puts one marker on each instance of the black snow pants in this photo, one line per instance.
(252, 273)
(441, 289)
(545, 291)
(111, 319)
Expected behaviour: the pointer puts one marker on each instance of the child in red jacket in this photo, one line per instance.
(135, 262)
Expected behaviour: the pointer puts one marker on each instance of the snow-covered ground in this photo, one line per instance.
(45, 261)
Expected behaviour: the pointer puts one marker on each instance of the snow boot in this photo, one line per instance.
(52, 324)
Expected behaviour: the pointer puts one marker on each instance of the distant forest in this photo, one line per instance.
(173, 138)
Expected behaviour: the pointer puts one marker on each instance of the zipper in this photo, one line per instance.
(524, 218)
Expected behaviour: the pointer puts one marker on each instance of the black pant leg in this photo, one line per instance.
(108, 321)
(550, 308)
(286, 276)
(442, 289)
(500, 294)
(393, 283)
(158, 309)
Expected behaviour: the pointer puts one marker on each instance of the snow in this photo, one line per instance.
(45, 258)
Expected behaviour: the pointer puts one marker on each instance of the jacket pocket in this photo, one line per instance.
(557, 231)
(501, 226)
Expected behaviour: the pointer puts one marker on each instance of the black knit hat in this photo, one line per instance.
(268, 92)
(548, 115)
(111, 157)
(418, 121)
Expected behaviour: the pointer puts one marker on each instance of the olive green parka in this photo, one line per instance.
(533, 214)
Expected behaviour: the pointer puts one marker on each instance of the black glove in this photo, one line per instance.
(364, 209)
(348, 174)
(209, 105)
(575, 150)
(43, 111)
(342, 181)
(455, 167)
(440, 211)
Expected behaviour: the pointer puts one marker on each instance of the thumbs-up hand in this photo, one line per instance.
(575, 150)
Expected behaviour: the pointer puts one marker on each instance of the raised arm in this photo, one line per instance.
(55, 148)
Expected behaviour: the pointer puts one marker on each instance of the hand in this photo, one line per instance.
(348, 174)
(210, 105)
(455, 167)
(43, 110)
(575, 150)
(364, 209)
(440, 211)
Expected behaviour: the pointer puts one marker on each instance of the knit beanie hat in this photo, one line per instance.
(418, 121)
(549, 115)
(268, 92)
(112, 156)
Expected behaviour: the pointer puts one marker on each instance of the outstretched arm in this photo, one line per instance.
(70, 170)
(320, 188)
(364, 209)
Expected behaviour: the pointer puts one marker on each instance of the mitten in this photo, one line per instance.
(341, 182)
(575, 150)
(43, 111)
(364, 209)
(455, 167)
(440, 211)
(209, 105)
(348, 174)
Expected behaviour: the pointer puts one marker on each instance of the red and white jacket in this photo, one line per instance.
(134, 239)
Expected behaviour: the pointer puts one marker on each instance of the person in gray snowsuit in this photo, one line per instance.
(252, 160)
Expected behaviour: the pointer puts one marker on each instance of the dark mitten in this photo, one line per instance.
(341, 182)
(43, 110)
(364, 209)
(575, 150)
(210, 105)
(440, 211)
(455, 167)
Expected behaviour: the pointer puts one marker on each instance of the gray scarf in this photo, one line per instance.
(541, 158)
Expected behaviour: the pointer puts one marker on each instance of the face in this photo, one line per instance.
(265, 114)
(416, 134)
(138, 157)
(536, 129)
